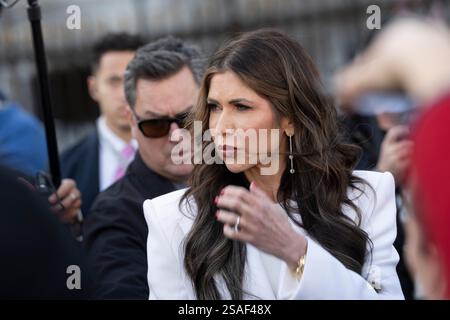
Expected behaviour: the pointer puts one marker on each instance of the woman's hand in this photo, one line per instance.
(262, 223)
(69, 203)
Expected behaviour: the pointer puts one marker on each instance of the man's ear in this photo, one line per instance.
(129, 115)
(92, 87)
(287, 125)
(130, 118)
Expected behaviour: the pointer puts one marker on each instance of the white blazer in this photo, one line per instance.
(324, 276)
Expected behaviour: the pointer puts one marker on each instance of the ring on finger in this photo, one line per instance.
(236, 226)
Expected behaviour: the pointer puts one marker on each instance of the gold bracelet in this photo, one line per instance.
(298, 272)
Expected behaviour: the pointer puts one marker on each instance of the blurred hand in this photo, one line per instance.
(409, 54)
(395, 154)
(70, 198)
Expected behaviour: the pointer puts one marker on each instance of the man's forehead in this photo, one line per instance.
(153, 110)
(164, 98)
(114, 60)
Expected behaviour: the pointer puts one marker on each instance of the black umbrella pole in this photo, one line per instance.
(34, 15)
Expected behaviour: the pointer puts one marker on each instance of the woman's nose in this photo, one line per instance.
(224, 124)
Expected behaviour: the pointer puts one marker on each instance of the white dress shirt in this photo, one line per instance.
(110, 153)
(267, 277)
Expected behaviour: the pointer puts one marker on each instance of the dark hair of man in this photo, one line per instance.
(113, 42)
(159, 60)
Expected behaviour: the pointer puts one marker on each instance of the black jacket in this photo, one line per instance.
(35, 248)
(116, 233)
(81, 163)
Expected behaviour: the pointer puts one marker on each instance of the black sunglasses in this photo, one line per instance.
(160, 127)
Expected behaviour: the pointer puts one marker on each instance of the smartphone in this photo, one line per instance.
(377, 103)
(396, 105)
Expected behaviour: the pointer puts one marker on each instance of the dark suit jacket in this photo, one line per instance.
(116, 233)
(81, 163)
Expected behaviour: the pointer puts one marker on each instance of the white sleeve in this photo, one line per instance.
(325, 277)
(164, 275)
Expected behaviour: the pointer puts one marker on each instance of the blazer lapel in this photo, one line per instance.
(187, 216)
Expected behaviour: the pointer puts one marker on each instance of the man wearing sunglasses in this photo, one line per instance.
(161, 87)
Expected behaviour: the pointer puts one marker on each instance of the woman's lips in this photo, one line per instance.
(227, 151)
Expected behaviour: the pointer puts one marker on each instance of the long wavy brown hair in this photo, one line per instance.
(278, 68)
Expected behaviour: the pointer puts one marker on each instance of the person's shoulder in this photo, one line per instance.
(16, 119)
(73, 157)
(375, 179)
(168, 209)
(88, 142)
(169, 198)
(168, 203)
(22, 117)
(110, 197)
(373, 191)
(122, 193)
(117, 209)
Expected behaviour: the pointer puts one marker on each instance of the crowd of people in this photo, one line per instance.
(360, 213)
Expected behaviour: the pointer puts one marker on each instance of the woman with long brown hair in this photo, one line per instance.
(297, 223)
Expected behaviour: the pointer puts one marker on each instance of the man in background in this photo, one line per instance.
(101, 158)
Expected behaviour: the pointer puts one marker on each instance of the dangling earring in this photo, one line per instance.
(291, 156)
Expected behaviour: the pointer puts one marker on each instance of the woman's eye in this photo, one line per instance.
(242, 107)
(212, 106)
